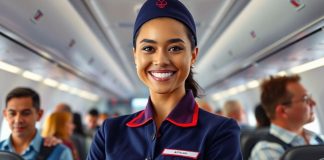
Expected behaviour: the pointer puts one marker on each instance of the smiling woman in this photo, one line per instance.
(171, 125)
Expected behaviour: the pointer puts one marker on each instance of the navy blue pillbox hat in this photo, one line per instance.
(164, 8)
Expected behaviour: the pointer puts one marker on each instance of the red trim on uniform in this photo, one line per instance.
(165, 154)
(295, 3)
(133, 123)
(192, 123)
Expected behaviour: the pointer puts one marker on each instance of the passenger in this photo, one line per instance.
(78, 137)
(261, 117)
(172, 125)
(102, 118)
(22, 111)
(63, 107)
(233, 109)
(60, 124)
(78, 140)
(91, 122)
(204, 105)
(290, 107)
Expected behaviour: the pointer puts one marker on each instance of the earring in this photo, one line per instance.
(193, 66)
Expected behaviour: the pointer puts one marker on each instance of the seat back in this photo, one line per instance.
(309, 152)
(10, 156)
(249, 139)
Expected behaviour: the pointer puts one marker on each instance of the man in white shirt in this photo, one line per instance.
(289, 107)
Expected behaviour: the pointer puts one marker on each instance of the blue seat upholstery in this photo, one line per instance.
(249, 139)
(308, 152)
(9, 156)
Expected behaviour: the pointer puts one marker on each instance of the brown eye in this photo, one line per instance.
(26, 113)
(11, 114)
(148, 49)
(175, 49)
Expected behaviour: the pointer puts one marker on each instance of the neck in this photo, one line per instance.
(292, 128)
(163, 104)
(21, 143)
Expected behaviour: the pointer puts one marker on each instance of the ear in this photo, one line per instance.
(281, 111)
(4, 112)
(40, 114)
(194, 56)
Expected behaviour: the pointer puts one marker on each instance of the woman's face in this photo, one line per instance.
(163, 55)
(70, 126)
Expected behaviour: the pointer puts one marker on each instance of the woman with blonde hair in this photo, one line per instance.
(60, 125)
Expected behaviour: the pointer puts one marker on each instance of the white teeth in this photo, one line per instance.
(162, 75)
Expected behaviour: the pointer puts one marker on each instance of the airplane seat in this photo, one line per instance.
(309, 152)
(249, 139)
(10, 156)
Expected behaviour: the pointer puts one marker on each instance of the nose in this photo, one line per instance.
(312, 102)
(161, 58)
(18, 118)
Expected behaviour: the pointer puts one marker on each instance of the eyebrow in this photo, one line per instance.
(173, 40)
(147, 41)
(12, 110)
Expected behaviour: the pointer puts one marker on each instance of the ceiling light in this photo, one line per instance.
(241, 88)
(88, 96)
(9, 68)
(253, 84)
(50, 82)
(217, 96)
(232, 91)
(282, 73)
(74, 91)
(308, 66)
(64, 87)
(32, 76)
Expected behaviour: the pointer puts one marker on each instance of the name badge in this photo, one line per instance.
(180, 153)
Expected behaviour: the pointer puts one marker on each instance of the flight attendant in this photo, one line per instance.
(171, 126)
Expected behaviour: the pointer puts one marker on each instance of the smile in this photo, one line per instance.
(161, 75)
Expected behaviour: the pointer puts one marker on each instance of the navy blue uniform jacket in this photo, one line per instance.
(187, 133)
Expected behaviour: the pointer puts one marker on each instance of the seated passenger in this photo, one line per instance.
(22, 111)
(263, 121)
(63, 107)
(233, 109)
(289, 107)
(60, 125)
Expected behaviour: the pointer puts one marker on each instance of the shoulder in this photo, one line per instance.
(3, 144)
(218, 127)
(61, 152)
(216, 121)
(121, 120)
(59, 149)
(117, 123)
(266, 150)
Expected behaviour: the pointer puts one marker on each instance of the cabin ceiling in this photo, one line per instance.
(93, 38)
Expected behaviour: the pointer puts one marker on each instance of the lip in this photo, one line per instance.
(161, 75)
(19, 129)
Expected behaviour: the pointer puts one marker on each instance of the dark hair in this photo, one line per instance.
(77, 121)
(274, 92)
(21, 92)
(93, 112)
(190, 83)
(261, 117)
